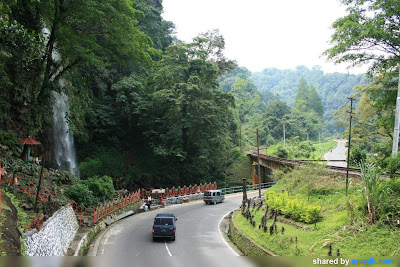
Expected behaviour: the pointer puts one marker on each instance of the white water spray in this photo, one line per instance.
(64, 148)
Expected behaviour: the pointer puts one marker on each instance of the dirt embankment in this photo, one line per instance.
(10, 244)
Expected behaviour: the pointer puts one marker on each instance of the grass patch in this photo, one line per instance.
(342, 225)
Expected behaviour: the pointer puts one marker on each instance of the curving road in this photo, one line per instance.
(199, 240)
(338, 153)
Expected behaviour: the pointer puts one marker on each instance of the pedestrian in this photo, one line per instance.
(149, 200)
(161, 201)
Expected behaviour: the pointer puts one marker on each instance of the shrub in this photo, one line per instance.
(357, 155)
(81, 194)
(296, 209)
(373, 191)
(102, 187)
(90, 167)
(392, 165)
(9, 138)
(282, 152)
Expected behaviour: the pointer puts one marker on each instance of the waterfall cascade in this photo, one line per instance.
(64, 148)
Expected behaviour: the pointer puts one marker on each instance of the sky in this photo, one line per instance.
(263, 34)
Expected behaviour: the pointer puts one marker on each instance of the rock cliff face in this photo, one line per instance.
(10, 244)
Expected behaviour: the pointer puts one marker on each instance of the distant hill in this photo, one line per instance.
(333, 88)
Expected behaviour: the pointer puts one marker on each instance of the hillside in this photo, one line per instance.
(333, 88)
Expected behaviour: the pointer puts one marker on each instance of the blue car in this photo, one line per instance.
(164, 226)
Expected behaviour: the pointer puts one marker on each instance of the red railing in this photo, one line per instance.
(179, 191)
(28, 187)
(82, 212)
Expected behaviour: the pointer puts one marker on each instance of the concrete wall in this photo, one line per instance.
(55, 236)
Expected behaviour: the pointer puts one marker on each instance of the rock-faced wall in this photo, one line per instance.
(55, 236)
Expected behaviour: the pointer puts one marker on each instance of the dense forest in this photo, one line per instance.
(333, 88)
(149, 110)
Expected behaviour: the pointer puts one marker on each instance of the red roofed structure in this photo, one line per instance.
(28, 142)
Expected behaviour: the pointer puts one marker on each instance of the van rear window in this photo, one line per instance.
(163, 221)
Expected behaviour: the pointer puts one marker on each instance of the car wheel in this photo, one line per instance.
(173, 239)
(154, 238)
(222, 201)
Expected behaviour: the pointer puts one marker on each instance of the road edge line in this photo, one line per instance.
(223, 236)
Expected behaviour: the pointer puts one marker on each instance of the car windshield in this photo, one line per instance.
(207, 194)
(163, 221)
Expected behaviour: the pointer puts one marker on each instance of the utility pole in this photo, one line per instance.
(284, 136)
(396, 123)
(319, 140)
(259, 172)
(348, 147)
(240, 133)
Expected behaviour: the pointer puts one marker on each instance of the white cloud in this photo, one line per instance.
(263, 33)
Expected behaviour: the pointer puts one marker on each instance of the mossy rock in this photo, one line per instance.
(10, 243)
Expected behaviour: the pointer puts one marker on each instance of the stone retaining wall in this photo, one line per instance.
(55, 236)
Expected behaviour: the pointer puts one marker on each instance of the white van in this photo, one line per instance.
(213, 196)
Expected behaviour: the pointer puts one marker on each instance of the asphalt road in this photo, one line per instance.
(199, 240)
(338, 153)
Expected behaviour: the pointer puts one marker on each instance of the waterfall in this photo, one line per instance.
(64, 148)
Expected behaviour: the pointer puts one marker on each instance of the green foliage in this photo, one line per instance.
(392, 165)
(15, 165)
(374, 194)
(296, 209)
(281, 152)
(186, 121)
(81, 194)
(65, 179)
(101, 187)
(238, 169)
(392, 205)
(103, 161)
(90, 167)
(369, 26)
(332, 88)
(303, 150)
(9, 138)
(154, 25)
(357, 155)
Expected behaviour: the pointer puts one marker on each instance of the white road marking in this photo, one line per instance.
(167, 248)
(222, 236)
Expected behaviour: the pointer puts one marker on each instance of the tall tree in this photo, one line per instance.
(302, 95)
(370, 33)
(186, 119)
(315, 102)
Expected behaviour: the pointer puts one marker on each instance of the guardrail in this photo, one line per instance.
(237, 189)
(83, 213)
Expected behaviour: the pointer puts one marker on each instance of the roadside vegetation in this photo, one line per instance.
(301, 150)
(362, 223)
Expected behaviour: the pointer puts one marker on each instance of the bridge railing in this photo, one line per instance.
(237, 189)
